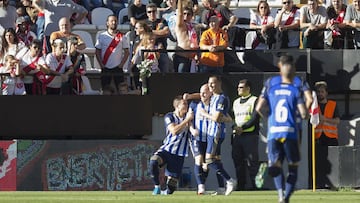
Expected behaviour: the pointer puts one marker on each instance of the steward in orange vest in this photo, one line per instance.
(326, 132)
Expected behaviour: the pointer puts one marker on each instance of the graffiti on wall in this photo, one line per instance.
(120, 167)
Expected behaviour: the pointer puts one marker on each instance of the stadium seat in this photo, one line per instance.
(243, 15)
(99, 15)
(123, 16)
(86, 36)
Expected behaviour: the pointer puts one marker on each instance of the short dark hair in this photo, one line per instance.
(246, 82)
(177, 100)
(151, 5)
(286, 59)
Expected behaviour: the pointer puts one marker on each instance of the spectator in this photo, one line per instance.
(161, 30)
(147, 42)
(227, 22)
(54, 10)
(137, 12)
(23, 31)
(74, 85)
(245, 135)
(40, 22)
(313, 20)
(65, 34)
(8, 16)
(169, 15)
(60, 68)
(11, 45)
(338, 32)
(13, 84)
(264, 37)
(215, 40)
(187, 39)
(32, 12)
(112, 52)
(32, 62)
(352, 19)
(287, 21)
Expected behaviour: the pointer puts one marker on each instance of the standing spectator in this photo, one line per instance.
(33, 64)
(60, 68)
(245, 135)
(11, 45)
(65, 34)
(171, 154)
(13, 84)
(287, 21)
(199, 137)
(75, 84)
(161, 30)
(218, 115)
(283, 100)
(23, 31)
(313, 20)
(8, 16)
(54, 10)
(352, 19)
(337, 34)
(112, 52)
(263, 38)
(32, 12)
(215, 40)
(147, 42)
(136, 13)
(186, 39)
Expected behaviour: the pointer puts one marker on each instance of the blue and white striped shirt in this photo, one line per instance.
(200, 122)
(218, 103)
(175, 144)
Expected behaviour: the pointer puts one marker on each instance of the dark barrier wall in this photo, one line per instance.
(41, 117)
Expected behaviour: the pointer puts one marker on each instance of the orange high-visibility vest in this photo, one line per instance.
(330, 130)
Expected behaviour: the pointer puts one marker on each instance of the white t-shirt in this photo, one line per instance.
(103, 41)
(25, 60)
(294, 39)
(257, 20)
(53, 64)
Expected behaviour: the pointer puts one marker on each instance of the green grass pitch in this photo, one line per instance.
(303, 196)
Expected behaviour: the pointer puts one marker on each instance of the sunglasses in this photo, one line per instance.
(152, 11)
(286, 2)
(241, 87)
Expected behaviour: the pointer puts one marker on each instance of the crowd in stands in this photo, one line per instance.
(40, 55)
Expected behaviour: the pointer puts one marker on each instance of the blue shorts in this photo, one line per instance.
(173, 163)
(214, 148)
(198, 148)
(278, 151)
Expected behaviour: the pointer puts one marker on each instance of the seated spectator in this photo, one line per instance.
(313, 20)
(286, 24)
(352, 19)
(23, 31)
(60, 68)
(64, 33)
(13, 84)
(335, 37)
(264, 37)
(215, 40)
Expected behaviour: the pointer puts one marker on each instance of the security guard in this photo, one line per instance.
(326, 133)
(245, 135)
